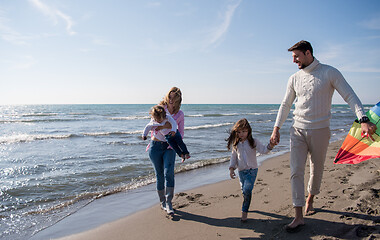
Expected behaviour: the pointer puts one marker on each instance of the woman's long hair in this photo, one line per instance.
(233, 139)
(177, 99)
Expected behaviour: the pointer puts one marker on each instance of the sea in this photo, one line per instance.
(58, 159)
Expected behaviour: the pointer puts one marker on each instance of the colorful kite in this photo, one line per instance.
(358, 148)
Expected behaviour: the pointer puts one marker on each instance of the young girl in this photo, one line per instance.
(243, 157)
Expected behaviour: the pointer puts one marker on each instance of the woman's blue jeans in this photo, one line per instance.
(163, 160)
(247, 181)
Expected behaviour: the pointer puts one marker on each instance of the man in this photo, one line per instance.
(313, 87)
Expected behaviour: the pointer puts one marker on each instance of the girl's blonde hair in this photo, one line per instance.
(158, 112)
(233, 139)
(177, 99)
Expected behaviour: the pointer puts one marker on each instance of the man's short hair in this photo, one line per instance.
(302, 46)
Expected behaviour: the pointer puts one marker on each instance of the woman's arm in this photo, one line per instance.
(180, 119)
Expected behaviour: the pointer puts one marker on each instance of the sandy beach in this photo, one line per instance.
(348, 207)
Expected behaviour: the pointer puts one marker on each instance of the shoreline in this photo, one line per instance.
(123, 204)
(348, 207)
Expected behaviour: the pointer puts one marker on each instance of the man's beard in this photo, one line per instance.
(302, 66)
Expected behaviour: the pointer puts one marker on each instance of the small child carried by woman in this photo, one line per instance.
(159, 117)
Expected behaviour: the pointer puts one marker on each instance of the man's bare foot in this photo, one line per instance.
(244, 217)
(187, 156)
(295, 225)
(309, 209)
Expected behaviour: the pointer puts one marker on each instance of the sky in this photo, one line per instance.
(215, 51)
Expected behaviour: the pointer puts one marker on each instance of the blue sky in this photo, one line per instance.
(216, 51)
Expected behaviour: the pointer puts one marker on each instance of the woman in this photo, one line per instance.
(162, 157)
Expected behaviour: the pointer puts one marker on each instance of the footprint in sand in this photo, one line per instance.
(193, 198)
(181, 194)
(232, 195)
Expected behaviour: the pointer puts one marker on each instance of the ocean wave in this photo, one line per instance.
(212, 115)
(220, 114)
(39, 120)
(38, 114)
(340, 111)
(125, 143)
(229, 114)
(94, 134)
(265, 113)
(200, 164)
(129, 118)
(208, 126)
(78, 113)
(19, 138)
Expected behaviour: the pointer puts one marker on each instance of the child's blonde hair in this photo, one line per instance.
(158, 112)
(177, 99)
(233, 139)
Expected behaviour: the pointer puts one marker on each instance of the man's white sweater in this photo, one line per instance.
(313, 88)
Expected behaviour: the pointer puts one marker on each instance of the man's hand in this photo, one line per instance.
(275, 138)
(368, 129)
(143, 137)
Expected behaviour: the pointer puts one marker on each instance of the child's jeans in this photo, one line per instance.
(247, 180)
(177, 143)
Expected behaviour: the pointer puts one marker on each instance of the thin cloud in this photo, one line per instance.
(373, 23)
(55, 15)
(218, 33)
(332, 52)
(19, 62)
(100, 41)
(8, 34)
(343, 56)
(154, 4)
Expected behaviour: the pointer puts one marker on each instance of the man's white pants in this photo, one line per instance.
(302, 143)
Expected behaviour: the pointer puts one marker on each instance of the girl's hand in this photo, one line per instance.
(232, 173)
(172, 134)
(143, 137)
